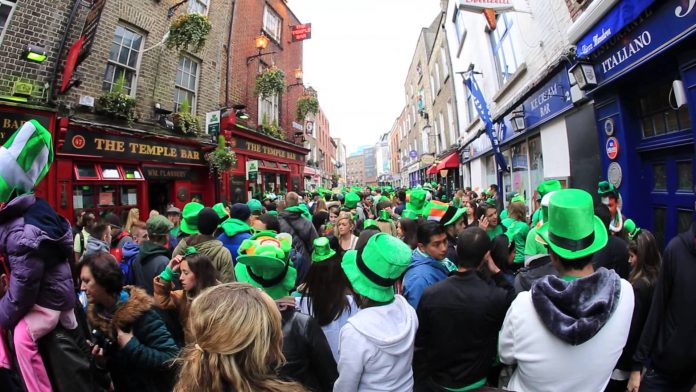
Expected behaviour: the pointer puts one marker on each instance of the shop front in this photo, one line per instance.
(104, 170)
(645, 108)
(279, 166)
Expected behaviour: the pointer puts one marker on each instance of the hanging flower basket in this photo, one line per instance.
(221, 159)
(306, 104)
(269, 82)
(185, 122)
(189, 32)
(117, 103)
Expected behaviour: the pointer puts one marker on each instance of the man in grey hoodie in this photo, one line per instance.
(98, 241)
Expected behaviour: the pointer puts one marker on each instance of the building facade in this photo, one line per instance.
(341, 161)
(356, 169)
(395, 151)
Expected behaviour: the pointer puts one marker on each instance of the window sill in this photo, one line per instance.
(514, 78)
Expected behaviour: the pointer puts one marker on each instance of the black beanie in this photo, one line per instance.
(208, 221)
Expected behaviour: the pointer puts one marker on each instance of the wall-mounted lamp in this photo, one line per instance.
(34, 53)
(517, 120)
(261, 43)
(584, 75)
(298, 73)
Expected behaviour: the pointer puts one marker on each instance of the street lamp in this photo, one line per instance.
(517, 120)
(584, 75)
(35, 54)
(298, 78)
(261, 43)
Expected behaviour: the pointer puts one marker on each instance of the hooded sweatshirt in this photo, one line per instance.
(424, 271)
(575, 336)
(235, 231)
(93, 246)
(376, 349)
(216, 252)
(151, 261)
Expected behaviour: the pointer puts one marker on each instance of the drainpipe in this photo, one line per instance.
(229, 58)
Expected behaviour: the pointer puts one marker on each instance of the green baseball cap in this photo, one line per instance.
(189, 223)
(572, 230)
(158, 225)
(373, 270)
(255, 205)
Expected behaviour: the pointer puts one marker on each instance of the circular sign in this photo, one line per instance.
(78, 141)
(609, 126)
(612, 147)
(413, 153)
(427, 159)
(615, 174)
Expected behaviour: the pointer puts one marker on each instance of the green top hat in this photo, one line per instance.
(409, 214)
(373, 270)
(631, 228)
(606, 189)
(384, 216)
(220, 210)
(572, 230)
(322, 250)
(416, 201)
(351, 200)
(189, 224)
(370, 224)
(441, 212)
(254, 205)
(548, 186)
(262, 263)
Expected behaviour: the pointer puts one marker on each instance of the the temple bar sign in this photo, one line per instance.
(243, 144)
(105, 145)
(301, 32)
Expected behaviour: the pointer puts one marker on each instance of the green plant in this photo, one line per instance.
(184, 121)
(116, 103)
(189, 31)
(306, 104)
(221, 159)
(269, 82)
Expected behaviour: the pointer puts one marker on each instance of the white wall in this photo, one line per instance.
(478, 174)
(554, 147)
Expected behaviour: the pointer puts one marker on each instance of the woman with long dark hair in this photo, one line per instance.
(326, 292)
(406, 230)
(471, 211)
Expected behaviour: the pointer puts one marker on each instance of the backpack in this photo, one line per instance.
(127, 266)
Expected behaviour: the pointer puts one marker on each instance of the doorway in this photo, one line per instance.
(159, 196)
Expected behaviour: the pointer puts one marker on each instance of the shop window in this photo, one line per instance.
(471, 113)
(83, 196)
(199, 6)
(660, 177)
(129, 195)
(272, 24)
(659, 225)
(6, 9)
(520, 168)
(107, 196)
(536, 163)
(86, 172)
(504, 50)
(124, 59)
(685, 179)
(657, 116)
(186, 84)
(110, 172)
(268, 106)
(283, 182)
(132, 173)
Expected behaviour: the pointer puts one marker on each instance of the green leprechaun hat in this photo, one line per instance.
(373, 269)
(370, 224)
(24, 159)
(606, 189)
(631, 228)
(548, 186)
(416, 201)
(322, 250)
(351, 200)
(572, 230)
(437, 211)
(262, 263)
(189, 223)
(409, 214)
(220, 210)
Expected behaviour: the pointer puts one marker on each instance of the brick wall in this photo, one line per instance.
(576, 7)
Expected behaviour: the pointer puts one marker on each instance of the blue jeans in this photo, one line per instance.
(654, 381)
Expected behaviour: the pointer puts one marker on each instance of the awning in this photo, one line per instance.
(274, 166)
(451, 161)
(308, 171)
(432, 169)
(611, 24)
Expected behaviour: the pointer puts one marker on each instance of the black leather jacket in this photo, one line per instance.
(307, 352)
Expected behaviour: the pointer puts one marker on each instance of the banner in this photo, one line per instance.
(485, 114)
(480, 5)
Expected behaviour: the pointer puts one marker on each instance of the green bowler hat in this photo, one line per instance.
(373, 270)
(351, 200)
(322, 250)
(189, 224)
(416, 201)
(370, 224)
(572, 230)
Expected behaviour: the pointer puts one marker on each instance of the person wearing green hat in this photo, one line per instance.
(189, 222)
(236, 229)
(384, 217)
(325, 295)
(611, 198)
(542, 190)
(459, 319)
(575, 324)
(378, 340)
(154, 255)
(256, 209)
(517, 230)
(416, 201)
(293, 220)
(264, 262)
(453, 221)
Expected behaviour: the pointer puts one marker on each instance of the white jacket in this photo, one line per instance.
(546, 363)
(376, 349)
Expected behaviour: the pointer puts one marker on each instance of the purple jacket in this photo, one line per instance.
(35, 242)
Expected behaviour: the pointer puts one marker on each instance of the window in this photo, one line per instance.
(657, 117)
(424, 142)
(272, 24)
(199, 6)
(186, 83)
(443, 60)
(504, 51)
(441, 134)
(124, 58)
(432, 86)
(470, 111)
(452, 126)
(269, 109)
(437, 80)
(6, 9)
(459, 25)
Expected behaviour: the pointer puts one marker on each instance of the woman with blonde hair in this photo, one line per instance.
(344, 231)
(133, 216)
(243, 361)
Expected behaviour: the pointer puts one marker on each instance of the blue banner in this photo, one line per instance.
(485, 114)
(621, 15)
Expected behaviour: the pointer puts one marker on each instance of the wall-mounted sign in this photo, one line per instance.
(413, 154)
(12, 121)
(301, 32)
(427, 159)
(548, 101)
(609, 126)
(212, 123)
(90, 29)
(166, 173)
(612, 147)
(309, 127)
(105, 145)
(614, 174)
(243, 144)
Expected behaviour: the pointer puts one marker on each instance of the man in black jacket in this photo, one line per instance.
(459, 319)
(294, 221)
(667, 342)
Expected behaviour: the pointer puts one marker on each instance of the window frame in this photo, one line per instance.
(268, 10)
(13, 6)
(471, 112)
(498, 50)
(117, 65)
(452, 128)
(443, 60)
(195, 3)
(456, 18)
(177, 87)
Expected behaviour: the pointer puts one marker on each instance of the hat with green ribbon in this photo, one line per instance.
(370, 224)
(631, 228)
(24, 159)
(416, 201)
(437, 211)
(322, 250)
(263, 264)
(351, 200)
(606, 189)
(572, 230)
(373, 269)
(548, 186)
(189, 223)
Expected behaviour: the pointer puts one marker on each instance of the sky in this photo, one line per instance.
(358, 58)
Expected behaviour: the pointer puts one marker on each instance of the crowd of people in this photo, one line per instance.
(351, 289)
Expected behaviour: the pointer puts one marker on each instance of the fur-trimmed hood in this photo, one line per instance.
(127, 312)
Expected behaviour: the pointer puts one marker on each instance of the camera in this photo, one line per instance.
(100, 339)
